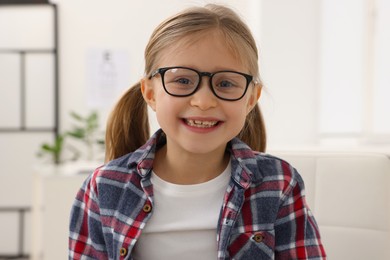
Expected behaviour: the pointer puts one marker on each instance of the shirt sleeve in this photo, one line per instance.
(86, 238)
(296, 231)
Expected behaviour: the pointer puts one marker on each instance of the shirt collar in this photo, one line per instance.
(143, 157)
(243, 159)
(245, 167)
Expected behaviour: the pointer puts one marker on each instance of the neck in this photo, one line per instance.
(189, 168)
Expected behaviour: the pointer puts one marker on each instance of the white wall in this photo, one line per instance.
(289, 65)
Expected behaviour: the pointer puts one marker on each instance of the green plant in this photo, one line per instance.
(55, 150)
(86, 130)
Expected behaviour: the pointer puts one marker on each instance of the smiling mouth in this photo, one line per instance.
(200, 123)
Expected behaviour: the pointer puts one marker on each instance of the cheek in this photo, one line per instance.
(162, 113)
(167, 109)
(238, 114)
(161, 99)
(240, 109)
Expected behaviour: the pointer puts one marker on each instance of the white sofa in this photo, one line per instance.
(349, 194)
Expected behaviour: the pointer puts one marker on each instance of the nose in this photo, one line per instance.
(204, 98)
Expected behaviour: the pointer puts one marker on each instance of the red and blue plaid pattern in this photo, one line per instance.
(264, 214)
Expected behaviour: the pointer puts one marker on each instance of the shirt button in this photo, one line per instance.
(258, 237)
(147, 208)
(123, 251)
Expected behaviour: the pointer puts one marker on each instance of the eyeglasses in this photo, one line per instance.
(183, 82)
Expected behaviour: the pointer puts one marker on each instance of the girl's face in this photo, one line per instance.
(200, 123)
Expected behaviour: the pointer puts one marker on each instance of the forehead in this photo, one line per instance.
(214, 45)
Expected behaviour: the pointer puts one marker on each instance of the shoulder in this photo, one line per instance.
(270, 165)
(263, 168)
(129, 169)
(276, 172)
(114, 182)
(116, 173)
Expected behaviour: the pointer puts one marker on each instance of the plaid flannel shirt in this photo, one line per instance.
(264, 214)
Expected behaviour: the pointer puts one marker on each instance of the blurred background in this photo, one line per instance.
(324, 64)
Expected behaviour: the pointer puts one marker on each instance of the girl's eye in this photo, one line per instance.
(225, 84)
(183, 81)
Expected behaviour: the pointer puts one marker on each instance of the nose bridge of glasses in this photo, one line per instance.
(205, 74)
(204, 95)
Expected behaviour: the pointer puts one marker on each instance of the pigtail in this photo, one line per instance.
(254, 133)
(128, 125)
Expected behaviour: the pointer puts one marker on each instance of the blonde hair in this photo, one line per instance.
(128, 126)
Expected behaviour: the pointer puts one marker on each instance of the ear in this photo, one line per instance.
(148, 93)
(254, 97)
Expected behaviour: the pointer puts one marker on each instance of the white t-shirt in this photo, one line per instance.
(184, 220)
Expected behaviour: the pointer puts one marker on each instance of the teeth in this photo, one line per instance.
(201, 124)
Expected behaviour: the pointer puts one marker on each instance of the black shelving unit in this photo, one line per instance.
(23, 127)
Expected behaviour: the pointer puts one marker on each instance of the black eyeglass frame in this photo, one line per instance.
(162, 71)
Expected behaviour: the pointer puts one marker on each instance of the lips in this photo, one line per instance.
(201, 123)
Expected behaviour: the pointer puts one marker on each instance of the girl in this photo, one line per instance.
(199, 188)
